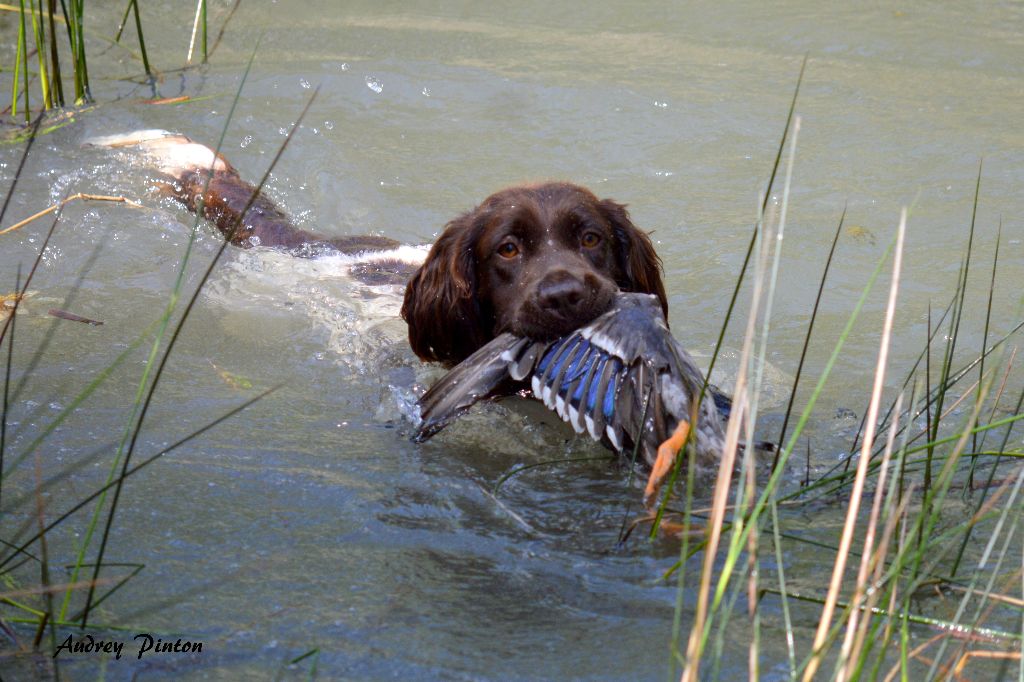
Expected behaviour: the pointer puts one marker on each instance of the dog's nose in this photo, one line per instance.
(561, 292)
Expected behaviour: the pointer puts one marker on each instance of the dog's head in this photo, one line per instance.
(538, 261)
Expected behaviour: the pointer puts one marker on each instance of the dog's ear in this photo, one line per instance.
(638, 261)
(446, 319)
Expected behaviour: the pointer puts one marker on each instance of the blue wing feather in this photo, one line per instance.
(594, 384)
(549, 355)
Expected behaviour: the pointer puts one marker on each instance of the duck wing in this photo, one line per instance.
(622, 378)
(486, 374)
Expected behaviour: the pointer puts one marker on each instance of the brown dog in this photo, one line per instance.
(538, 261)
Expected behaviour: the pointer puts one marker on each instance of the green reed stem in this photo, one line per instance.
(20, 65)
(773, 482)
(984, 338)
(58, 85)
(83, 95)
(142, 40)
(807, 336)
(37, 32)
(7, 385)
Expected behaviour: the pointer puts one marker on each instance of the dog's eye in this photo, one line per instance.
(508, 250)
(590, 239)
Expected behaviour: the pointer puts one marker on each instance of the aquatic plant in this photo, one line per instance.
(89, 583)
(895, 488)
(39, 38)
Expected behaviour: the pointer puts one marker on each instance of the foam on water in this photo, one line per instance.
(362, 321)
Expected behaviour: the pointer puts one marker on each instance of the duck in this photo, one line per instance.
(623, 380)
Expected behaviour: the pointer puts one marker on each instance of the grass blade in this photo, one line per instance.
(984, 337)
(851, 517)
(174, 337)
(58, 86)
(807, 336)
(736, 289)
(38, 34)
(23, 547)
(143, 398)
(7, 385)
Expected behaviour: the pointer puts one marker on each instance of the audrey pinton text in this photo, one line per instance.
(87, 644)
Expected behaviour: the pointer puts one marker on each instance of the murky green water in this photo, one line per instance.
(310, 521)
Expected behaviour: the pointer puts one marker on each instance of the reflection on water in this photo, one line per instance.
(310, 521)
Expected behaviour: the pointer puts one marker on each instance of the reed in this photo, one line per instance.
(64, 59)
(898, 542)
(29, 544)
(868, 619)
(198, 26)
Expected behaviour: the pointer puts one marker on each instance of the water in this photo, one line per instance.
(310, 520)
